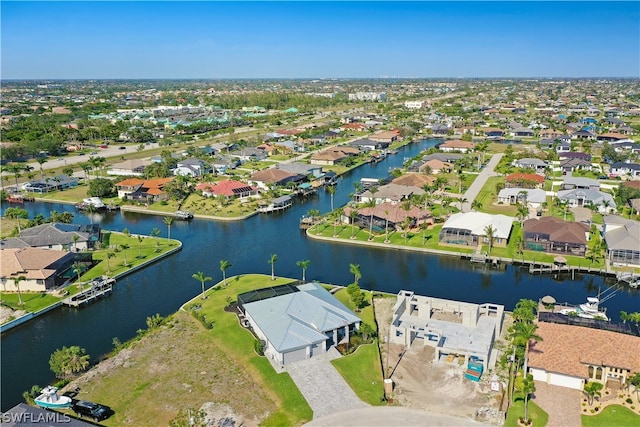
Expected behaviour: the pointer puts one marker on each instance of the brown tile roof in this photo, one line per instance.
(28, 262)
(558, 229)
(414, 179)
(569, 350)
(458, 143)
(396, 214)
(271, 175)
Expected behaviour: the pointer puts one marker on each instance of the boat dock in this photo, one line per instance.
(97, 289)
(278, 204)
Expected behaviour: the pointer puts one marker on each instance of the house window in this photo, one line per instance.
(598, 373)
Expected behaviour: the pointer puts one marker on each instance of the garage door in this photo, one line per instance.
(565, 381)
(296, 355)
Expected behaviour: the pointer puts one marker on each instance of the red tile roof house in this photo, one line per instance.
(228, 188)
(569, 356)
(142, 190)
(524, 180)
(40, 268)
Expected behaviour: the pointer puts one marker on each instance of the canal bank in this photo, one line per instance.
(248, 245)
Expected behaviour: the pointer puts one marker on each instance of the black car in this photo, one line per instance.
(91, 410)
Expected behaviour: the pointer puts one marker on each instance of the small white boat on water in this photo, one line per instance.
(49, 398)
(588, 310)
(96, 202)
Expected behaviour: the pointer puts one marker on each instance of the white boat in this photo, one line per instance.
(588, 310)
(183, 215)
(49, 398)
(96, 202)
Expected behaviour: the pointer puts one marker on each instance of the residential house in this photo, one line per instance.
(56, 183)
(312, 171)
(470, 229)
(414, 180)
(249, 154)
(611, 137)
(550, 134)
(334, 155)
(493, 133)
(522, 131)
(229, 189)
(575, 155)
(273, 177)
(146, 191)
(460, 332)
(583, 135)
(457, 145)
(297, 322)
(133, 167)
(223, 162)
(603, 202)
(570, 356)
(369, 144)
(578, 182)
(439, 129)
(539, 166)
(625, 169)
(192, 167)
(435, 166)
(388, 215)
(41, 268)
(563, 147)
(553, 235)
(388, 136)
(524, 180)
(550, 143)
(626, 146)
(623, 240)
(58, 236)
(575, 164)
(533, 198)
(390, 193)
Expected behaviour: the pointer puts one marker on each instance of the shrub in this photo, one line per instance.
(259, 346)
(62, 383)
(628, 400)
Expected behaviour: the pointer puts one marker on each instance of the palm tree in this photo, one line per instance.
(224, 265)
(303, 265)
(352, 216)
(40, 161)
(386, 226)
(272, 261)
(490, 232)
(592, 389)
(200, 277)
(355, 270)
(168, 220)
(476, 205)
(406, 223)
(123, 247)
(372, 204)
(109, 255)
(15, 170)
(462, 200)
(75, 238)
(527, 386)
(523, 333)
(16, 282)
(155, 233)
(140, 239)
(332, 190)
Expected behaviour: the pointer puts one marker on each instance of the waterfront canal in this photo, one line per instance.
(164, 286)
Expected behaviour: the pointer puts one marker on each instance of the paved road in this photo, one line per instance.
(384, 416)
(480, 180)
(325, 390)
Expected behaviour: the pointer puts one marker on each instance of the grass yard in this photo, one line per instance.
(238, 344)
(488, 196)
(516, 410)
(612, 415)
(33, 301)
(363, 373)
(215, 207)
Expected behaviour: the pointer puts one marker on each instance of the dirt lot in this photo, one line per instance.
(420, 384)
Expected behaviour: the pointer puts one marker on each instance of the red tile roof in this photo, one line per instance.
(225, 187)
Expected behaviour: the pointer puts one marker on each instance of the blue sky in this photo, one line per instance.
(58, 40)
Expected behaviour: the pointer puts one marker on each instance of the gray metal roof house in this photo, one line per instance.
(296, 325)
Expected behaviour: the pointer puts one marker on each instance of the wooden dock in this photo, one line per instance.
(98, 288)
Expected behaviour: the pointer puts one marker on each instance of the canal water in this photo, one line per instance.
(164, 286)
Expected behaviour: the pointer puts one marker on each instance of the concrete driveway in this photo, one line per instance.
(384, 416)
(480, 180)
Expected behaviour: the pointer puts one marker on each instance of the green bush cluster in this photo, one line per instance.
(202, 318)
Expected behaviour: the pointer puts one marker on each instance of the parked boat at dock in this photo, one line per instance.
(183, 215)
(50, 399)
(588, 310)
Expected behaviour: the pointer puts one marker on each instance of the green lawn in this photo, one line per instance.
(33, 301)
(238, 343)
(488, 196)
(362, 372)
(535, 413)
(612, 415)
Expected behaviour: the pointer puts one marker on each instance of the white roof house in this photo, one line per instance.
(585, 197)
(476, 222)
(300, 324)
(534, 197)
